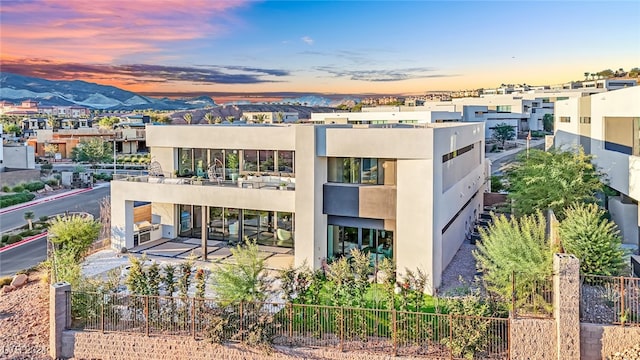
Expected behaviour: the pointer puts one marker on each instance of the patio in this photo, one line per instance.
(276, 258)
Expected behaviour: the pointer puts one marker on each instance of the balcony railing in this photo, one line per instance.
(256, 182)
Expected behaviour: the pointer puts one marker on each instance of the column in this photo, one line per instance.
(566, 305)
(59, 317)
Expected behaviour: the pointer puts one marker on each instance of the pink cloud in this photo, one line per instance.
(104, 31)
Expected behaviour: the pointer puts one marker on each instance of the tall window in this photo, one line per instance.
(250, 160)
(266, 161)
(356, 170)
(285, 161)
(185, 161)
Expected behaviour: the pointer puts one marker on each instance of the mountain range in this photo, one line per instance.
(17, 88)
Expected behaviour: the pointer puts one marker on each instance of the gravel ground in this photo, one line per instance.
(460, 272)
(24, 322)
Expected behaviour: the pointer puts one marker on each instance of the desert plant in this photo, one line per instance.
(29, 216)
(201, 281)
(593, 239)
(513, 246)
(244, 280)
(75, 233)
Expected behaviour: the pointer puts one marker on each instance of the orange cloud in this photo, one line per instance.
(105, 31)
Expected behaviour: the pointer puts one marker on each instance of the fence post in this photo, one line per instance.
(146, 314)
(59, 317)
(241, 321)
(102, 314)
(513, 293)
(394, 323)
(450, 335)
(622, 314)
(193, 317)
(290, 320)
(342, 328)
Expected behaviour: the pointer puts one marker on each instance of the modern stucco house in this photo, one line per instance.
(404, 191)
(607, 125)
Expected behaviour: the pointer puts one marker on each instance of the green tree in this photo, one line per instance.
(9, 128)
(586, 75)
(547, 122)
(592, 238)
(552, 180)
(94, 150)
(634, 72)
(518, 245)
(51, 122)
(608, 73)
(503, 132)
(74, 233)
(108, 122)
(50, 150)
(243, 280)
(496, 184)
(29, 216)
(188, 117)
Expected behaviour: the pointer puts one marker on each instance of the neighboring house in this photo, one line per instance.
(607, 125)
(32, 107)
(409, 192)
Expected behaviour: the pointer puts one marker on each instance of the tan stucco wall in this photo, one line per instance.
(409, 143)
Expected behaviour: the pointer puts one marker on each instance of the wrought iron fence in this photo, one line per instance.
(610, 300)
(344, 328)
(531, 297)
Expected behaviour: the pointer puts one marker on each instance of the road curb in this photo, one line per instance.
(24, 241)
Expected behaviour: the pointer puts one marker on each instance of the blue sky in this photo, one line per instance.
(317, 46)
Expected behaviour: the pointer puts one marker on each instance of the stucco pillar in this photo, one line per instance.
(566, 305)
(59, 316)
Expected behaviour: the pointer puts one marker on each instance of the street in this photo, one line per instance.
(499, 165)
(30, 254)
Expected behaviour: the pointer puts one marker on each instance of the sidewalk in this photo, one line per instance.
(49, 198)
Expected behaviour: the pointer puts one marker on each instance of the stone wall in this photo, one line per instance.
(533, 339)
(15, 177)
(119, 346)
(491, 199)
(601, 341)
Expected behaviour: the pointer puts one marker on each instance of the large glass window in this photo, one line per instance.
(185, 162)
(357, 170)
(224, 224)
(258, 226)
(200, 162)
(285, 161)
(377, 244)
(266, 161)
(250, 160)
(232, 164)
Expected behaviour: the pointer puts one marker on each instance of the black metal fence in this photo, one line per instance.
(344, 328)
(610, 300)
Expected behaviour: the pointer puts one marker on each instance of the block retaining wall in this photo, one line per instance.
(602, 341)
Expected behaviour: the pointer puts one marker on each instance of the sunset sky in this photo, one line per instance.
(322, 46)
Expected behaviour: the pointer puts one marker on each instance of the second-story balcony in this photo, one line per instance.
(245, 182)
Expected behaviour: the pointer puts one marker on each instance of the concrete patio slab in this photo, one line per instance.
(170, 249)
(279, 261)
(210, 243)
(149, 244)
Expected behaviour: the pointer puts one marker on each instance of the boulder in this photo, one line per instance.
(7, 288)
(47, 188)
(19, 280)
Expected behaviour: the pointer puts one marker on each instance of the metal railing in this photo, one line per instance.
(254, 183)
(610, 300)
(344, 328)
(531, 297)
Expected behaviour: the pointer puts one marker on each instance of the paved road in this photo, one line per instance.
(87, 202)
(32, 253)
(498, 166)
(23, 256)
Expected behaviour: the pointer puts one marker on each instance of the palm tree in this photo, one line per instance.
(209, 118)
(217, 120)
(187, 118)
(230, 119)
(593, 76)
(280, 116)
(586, 75)
(260, 118)
(29, 216)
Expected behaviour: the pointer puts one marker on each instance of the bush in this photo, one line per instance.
(18, 188)
(5, 238)
(14, 239)
(496, 184)
(35, 186)
(46, 167)
(43, 218)
(6, 189)
(52, 182)
(5, 281)
(8, 200)
(592, 238)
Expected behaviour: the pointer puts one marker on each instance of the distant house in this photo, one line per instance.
(271, 117)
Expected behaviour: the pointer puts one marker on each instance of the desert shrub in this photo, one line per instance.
(496, 184)
(52, 182)
(46, 167)
(43, 218)
(5, 238)
(13, 199)
(6, 188)
(18, 188)
(14, 239)
(34, 186)
(518, 245)
(5, 281)
(593, 239)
